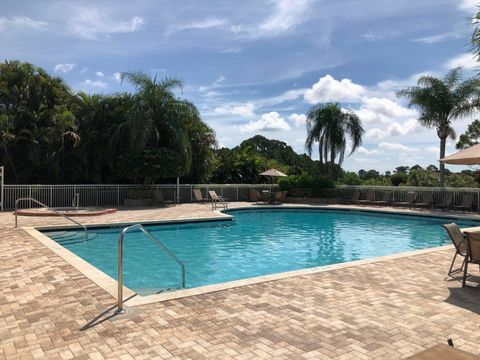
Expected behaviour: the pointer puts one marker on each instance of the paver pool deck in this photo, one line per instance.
(386, 309)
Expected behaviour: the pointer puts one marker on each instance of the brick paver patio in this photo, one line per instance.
(383, 310)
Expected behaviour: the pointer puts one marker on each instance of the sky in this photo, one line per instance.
(257, 66)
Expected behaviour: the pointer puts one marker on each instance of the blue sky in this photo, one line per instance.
(257, 66)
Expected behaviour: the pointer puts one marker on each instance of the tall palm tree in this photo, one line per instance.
(330, 126)
(441, 101)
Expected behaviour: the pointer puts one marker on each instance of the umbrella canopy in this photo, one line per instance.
(273, 173)
(469, 156)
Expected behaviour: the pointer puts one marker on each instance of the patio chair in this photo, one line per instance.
(159, 198)
(467, 203)
(279, 197)
(368, 198)
(356, 197)
(446, 202)
(473, 254)
(409, 199)
(385, 199)
(217, 200)
(426, 201)
(459, 240)
(198, 196)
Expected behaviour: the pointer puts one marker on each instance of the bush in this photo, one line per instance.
(349, 178)
(399, 178)
(309, 185)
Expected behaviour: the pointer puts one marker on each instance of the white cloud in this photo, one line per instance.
(117, 76)
(329, 89)
(433, 150)
(198, 25)
(286, 15)
(408, 127)
(220, 79)
(64, 68)
(100, 74)
(366, 160)
(298, 119)
(364, 151)
(468, 5)
(411, 126)
(91, 23)
(246, 110)
(396, 147)
(268, 122)
(395, 85)
(95, 84)
(288, 95)
(466, 61)
(382, 110)
(374, 134)
(435, 38)
(7, 23)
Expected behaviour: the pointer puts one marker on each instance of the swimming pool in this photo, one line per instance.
(257, 242)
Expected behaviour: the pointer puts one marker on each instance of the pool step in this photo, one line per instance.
(74, 237)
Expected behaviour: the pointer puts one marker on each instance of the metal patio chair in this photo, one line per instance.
(459, 240)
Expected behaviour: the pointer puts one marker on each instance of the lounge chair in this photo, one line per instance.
(368, 198)
(160, 198)
(426, 201)
(253, 196)
(356, 197)
(217, 200)
(446, 202)
(385, 199)
(459, 240)
(467, 203)
(409, 199)
(279, 197)
(198, 196)
(473, 254)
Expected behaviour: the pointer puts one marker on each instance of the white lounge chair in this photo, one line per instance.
(217, 200)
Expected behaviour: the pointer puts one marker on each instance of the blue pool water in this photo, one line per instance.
(257, 242)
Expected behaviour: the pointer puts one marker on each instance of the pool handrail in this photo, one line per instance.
(49, 208)
(140, 227)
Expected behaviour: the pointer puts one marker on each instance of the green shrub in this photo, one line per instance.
(308, 185)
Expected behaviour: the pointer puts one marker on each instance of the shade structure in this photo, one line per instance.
(469, 156)
(273, 173)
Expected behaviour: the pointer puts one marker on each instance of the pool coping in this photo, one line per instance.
(110, 285)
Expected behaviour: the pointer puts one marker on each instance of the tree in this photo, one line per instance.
(330, 126)
(470, 137)
(402, 169)
(159, 120)
(441, 101)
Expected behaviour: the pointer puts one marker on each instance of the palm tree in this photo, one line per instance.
(441, 101)
(330, 126)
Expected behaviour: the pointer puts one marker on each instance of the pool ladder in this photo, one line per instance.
(120, 309)
(49, 208)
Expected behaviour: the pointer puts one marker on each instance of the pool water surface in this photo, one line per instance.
(257, 242)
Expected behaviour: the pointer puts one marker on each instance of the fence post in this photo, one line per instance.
(118, 195)
(2, 174)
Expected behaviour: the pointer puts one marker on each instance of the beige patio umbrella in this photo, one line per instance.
(273, 173)
(469, 156)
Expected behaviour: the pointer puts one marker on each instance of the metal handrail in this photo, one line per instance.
(120, 260)
(49, 208)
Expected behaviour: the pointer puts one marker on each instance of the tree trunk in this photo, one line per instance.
(320, 151)
(443, 141)
(332, 163)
